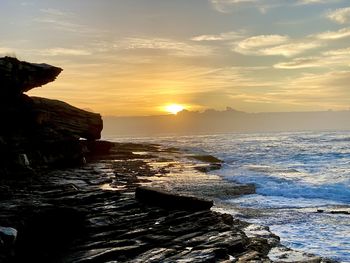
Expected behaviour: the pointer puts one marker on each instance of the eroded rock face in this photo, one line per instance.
(17, 76)
(38, 132)
(66, 118)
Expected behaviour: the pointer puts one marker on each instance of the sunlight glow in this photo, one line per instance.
(174, 108)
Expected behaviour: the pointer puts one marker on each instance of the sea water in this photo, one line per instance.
(296, 175)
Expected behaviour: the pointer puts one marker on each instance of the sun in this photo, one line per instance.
(174, 108)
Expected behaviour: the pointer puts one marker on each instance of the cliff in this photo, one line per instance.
(39, 132)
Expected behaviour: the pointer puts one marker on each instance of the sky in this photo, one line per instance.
(134, 57)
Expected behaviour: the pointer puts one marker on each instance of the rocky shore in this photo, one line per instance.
(65, 196)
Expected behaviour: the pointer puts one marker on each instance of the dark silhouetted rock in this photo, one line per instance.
(48, 231)
(8, 236)
(66, 118)
(171, 201)
(98, 148)
(36, 132)
(17, 76)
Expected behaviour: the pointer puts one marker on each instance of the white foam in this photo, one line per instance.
(295, 173)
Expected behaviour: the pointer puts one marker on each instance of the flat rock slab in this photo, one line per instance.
(169, 200)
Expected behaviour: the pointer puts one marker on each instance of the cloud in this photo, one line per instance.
(54, 12)
(6, 51)
(27, 4)
(338, 52)
(253, 44)
(340, 15)
(312, 91)
(273, 45)
(309, 2)
(174, 47)
(226, 6)
(61, 24)
(263, 6)
(298, 63)
(262, 41)
(289, 50)
(339, 57)
(319, 91)
(219, 4)
(331, 35)
(56, 19)
(327, 82)
(234, 1)
(65, 52)
(220, 37)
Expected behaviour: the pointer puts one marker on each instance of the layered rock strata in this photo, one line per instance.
(39, 132)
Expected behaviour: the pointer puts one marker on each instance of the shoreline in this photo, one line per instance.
(97, 202)
(196, 168)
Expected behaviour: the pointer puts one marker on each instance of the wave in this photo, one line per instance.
(346, 139)
(289, 185)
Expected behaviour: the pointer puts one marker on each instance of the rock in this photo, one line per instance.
(282, 254)
(98, 148)
(17, 76)
(259, 244)
(227, 219)
(156, 255)
(208, 167)
(64, 216)
(344, 211)
(203, 255)
(233, 242)
(340, 212)
(23, 159)
(206, 159)
(8, 236)
(171, 201)
(102, 255)
(47, 231)
(250, 256)
(38, 133)
(257, 231)
(66, 118)
(65, 152)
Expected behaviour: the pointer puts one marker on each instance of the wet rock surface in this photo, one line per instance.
(90, 214)
(169, 201)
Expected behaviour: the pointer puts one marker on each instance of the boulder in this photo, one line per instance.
(18, 76)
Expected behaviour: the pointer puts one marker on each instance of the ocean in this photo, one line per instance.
(302, 180)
